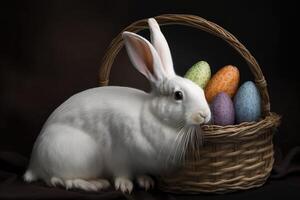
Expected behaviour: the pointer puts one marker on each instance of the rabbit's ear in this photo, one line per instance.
(161, 45)
(143, 56)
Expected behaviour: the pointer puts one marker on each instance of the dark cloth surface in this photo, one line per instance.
(284, 182)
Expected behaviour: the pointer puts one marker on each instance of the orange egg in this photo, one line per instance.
(225, 80)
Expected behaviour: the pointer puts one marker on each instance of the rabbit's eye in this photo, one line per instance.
(178, 95)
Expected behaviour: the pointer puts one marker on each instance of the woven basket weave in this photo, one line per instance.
(233, 157)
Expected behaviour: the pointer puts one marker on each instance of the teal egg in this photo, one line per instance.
(199, 73)
(247, 103)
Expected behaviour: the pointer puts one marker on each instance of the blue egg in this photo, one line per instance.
(247, 103)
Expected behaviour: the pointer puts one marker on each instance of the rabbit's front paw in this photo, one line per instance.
(124, 184)
(145, 181)
(87, 185)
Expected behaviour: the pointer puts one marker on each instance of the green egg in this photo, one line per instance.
(199, 73)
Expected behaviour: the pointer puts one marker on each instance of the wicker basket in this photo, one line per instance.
(233, 157)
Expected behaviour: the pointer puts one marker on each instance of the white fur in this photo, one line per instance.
(117, 132)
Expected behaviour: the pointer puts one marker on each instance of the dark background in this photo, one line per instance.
(50, 50)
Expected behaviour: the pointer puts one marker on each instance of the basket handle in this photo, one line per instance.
(196, 22)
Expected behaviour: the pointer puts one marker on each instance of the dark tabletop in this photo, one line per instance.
(17, 189)
(12, 166)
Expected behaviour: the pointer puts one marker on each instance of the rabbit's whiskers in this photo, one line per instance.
(196, 142)
(187, 138)
(163, 149)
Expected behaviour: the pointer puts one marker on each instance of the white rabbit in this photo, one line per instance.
(119, 132)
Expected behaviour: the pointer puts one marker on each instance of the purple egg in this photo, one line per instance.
(222, 110)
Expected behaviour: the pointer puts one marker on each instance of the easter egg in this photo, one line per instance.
(222, 110)
(225, 80)
(199, 73)
(247, 103)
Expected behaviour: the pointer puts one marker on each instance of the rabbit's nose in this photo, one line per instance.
(198, 118)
